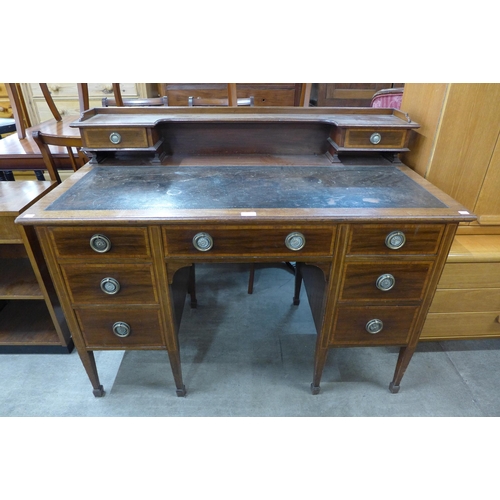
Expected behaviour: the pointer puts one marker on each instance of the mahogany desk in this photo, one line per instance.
(168, 188)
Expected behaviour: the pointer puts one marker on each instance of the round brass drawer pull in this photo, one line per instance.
(295, 241)
(395, 240)
(121, 329)
(203, 242)
(115, 137)
(110, 286)
(385, 282)
(374, 326)
(100, 243)
(375, 138)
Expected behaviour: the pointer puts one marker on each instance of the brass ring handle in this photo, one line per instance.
(121, 329)
(115, 137)
(385, 282)
(203, 242)
(374, 326)
(295, 241)
(110, 286)
(395, 240)
(375, 138)
(100, 243)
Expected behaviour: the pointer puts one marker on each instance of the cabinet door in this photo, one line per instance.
(457, 147)
(488, 203)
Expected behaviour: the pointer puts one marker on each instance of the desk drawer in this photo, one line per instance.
(470, 275)
(350, 325)
(249, 241)
(375, 138)
(373, 281)
(121, 138)
(125, 243)
(461, 325)
(370, 239)
(97, 327)
(466, 300)
(112, 284)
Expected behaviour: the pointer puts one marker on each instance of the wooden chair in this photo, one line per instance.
(20, 111)
(72, 144)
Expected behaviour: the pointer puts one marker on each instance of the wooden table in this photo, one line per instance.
(170, 188)
(23, 154)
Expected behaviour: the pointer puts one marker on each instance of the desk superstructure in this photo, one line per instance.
(168, 188)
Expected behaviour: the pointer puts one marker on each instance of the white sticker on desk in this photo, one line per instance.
(463, 212)
(248, 214)
(28, 215)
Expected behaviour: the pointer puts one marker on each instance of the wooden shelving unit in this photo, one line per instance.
(31, 320)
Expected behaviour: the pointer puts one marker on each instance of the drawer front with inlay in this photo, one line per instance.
(387, 280)
(379, 138)
(101, 243)
(117, 328)
(397, 239)
(373, 325)
(248, 241)
(119, 138)
(112, 284)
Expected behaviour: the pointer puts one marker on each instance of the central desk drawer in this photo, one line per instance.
(98, 324)
(248, 241)
(125, 243)
(395, 239)
(352, 323)
(385, 280)
(112, 284)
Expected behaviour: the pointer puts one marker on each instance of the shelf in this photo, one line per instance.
(27, 322)
(18, 281)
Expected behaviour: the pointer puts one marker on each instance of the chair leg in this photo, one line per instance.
(298, 284)
(192, 287)
(251, 278)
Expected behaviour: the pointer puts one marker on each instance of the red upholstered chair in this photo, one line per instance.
(388, 98)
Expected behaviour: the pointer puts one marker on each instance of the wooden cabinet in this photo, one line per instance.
(467, 300)
(31, 319)
(457, 147)
(347, 94)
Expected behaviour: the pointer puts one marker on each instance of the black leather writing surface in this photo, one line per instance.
(134, 188)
